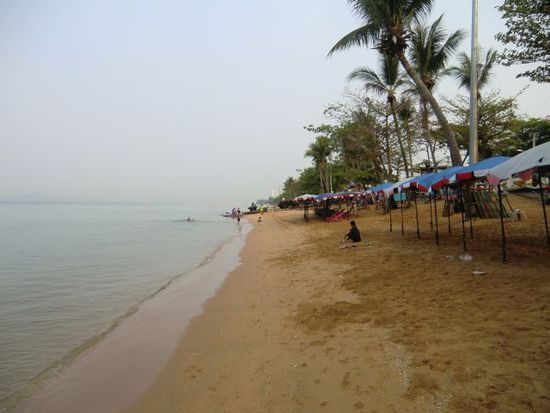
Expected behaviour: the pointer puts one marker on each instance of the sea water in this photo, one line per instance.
(69, 273)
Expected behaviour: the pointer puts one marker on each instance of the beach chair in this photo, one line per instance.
(340, 215)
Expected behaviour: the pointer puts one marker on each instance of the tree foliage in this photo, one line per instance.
(496, 118)
(527, 35)
(387, 27)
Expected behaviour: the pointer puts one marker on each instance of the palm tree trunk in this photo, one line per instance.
(321, 180)
(427, 135)
(388, 148)
(427, 95)
(409, 143)
(399, 138)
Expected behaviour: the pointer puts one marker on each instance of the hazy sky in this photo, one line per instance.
(181, 101)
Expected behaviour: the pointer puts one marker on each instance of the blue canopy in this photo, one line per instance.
(479, 169)
(436, 180)
(380, 187)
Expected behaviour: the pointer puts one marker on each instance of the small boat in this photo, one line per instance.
(227, 215)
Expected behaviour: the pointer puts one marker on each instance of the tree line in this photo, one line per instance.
(394, 126)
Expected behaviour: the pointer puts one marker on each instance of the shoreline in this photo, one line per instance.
(136, 345)
(400, 325)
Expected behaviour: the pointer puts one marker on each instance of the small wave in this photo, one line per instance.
(11, 401)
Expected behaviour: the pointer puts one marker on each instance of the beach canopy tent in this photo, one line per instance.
(479, 169)
(305, 197)
(433, 180)
(531, 161)
(398, 185)
(336, 196)
(379, 188)
(420, 182)
(534, 160)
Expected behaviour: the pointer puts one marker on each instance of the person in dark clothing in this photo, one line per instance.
(353, 235)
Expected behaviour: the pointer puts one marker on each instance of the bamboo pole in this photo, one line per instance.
(436, 221)
(401, 204)
(544, 211)
(469, 197)
(501, 207)
(449, 211)
(462, 215)
(431, 213)
(416, 211)
(389, 208)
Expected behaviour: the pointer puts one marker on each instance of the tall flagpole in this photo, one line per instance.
(473, 87)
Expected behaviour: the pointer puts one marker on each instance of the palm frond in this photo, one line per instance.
(370, 78)
(363, 36)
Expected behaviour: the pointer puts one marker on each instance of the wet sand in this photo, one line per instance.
(397, 326)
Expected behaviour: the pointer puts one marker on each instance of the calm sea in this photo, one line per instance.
(68, 272)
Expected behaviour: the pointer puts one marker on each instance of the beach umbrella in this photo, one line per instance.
(531, 161)
(534, 160)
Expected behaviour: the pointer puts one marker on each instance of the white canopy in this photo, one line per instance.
(523, 164)
(305, 196)
(405, 183)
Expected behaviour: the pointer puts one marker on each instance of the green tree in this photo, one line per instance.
(524, 130)
(309, 181)
(528, 35)
(497, 115)
(320, 152)
(431, 49)
(291, 188)
(385, 82)
(356, 145)
(386, 26)
(406, 116)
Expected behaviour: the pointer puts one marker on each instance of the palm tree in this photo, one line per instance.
(431, 49)
(462, 72)
(387, 83)
(406, 113)
(387, 27)
(320, 151)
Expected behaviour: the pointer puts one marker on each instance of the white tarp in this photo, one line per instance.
(523, 164)
(398, 185)
(305, 196)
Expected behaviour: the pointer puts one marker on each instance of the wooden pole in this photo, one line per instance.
(416, 211)
(469, 196)
(449, 204)
(436, 221)
(401, 204)
(431, 213)
(501, 207)
(389, 207)
(544, 211)
(462, 215)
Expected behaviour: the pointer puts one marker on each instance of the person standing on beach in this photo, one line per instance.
(353, 235)
(239, 216)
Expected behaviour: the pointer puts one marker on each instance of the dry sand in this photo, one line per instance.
(397, 326)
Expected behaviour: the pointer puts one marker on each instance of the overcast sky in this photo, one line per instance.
(179, 100)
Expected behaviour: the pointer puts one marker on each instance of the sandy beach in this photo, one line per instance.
(400, 325)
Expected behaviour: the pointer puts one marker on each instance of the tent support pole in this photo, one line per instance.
(389, 208)
(544, 211)
(501, 207)
(431, 213)
(469, 196)
(462, 215)
(416, 211)
(449, 204)
(401, 204)
(436, 221)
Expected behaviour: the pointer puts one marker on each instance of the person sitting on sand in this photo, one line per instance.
(353, 235)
